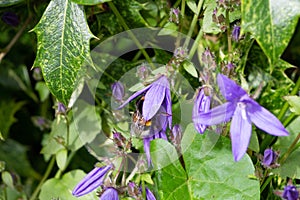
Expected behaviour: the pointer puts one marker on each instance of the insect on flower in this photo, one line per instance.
(140, 126)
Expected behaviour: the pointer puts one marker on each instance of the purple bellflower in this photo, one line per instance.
(290, 192)
(118, 91)
(236, 33)
(91, 181)
(270, 158)
(243, 110)
(157, 95)
(201, 105)
(109, 194)
(149, 195)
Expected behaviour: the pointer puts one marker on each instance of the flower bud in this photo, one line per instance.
(290, 192)
(118, 91)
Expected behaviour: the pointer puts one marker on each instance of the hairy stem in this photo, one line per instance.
(290, 149)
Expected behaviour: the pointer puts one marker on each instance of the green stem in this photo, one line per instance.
(143, 189)
(290, 149)
(193, 24)
(262, 188)
(125, 26)
(195, 44)
(48, 170)
(288, 119)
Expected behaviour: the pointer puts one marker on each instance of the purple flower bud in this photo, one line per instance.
(201, 105)
(230, 66)
(174, 15)
(149, 195)
(10, 18)
(269, 157)
(61, 108)
(290, 192)
(109, 194)
(236, 33)
(118, 91)
(208, 59)
(37, 74)
(143, 71)
(91, 181)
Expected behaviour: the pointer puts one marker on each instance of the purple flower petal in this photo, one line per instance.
(168, 105)
(290, 193)
(118, 90)
(201, 105)
(135, 95)
(229, 89)
(269, 157)
(110, 194)
(265, 120)
(147, 149)
(91, 181)
(149, 195)
(155, 97)
(217, 115)
(240, 131)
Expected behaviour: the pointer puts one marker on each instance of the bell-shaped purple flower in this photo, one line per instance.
(157, 95)
(118, 91)
(91, 181)
(236, 33)
(270, 157)
(109, 194)
(201, 105)
(149, 195)
(290, 192)
(243, 110)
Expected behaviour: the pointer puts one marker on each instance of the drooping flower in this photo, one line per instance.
(290, 192)
(201, 105)
(149, 195)
(157, 95)
(109, 194)
(243, 110)
(118, 90)
(236, 33)
(91, 181)
(270, 157)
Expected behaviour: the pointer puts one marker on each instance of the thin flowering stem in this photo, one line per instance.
(195, 44)
(228, 35)
(46, 174)
(193, 24)
(290, 149)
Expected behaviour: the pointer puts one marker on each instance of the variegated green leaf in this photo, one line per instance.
(5, 3)
(63, 47)
(90, 2)
(272, 23)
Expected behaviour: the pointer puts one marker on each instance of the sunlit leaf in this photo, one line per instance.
(210, 171)
(272, 23)
(63, 47)
(294, 102)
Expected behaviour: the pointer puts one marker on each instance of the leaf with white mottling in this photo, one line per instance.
(90, 2)
(63, 47)
(272, 23)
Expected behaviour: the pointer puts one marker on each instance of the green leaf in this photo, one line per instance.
(272, 23)
(83, 129)
(42, 90)
(7, 179)
(61, 158)
(8, 108)
(5, 3)
(90, 2)
(62, 188)
(15, 156)
(192, 5)
(190, 68)
(211, 172)
(291, 167)
(63, 47)
(294, 102)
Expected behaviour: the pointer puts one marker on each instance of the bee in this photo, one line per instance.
(140, 126)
